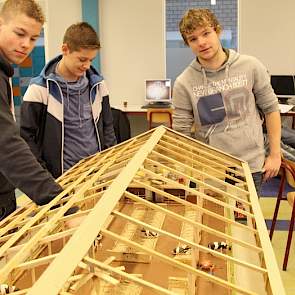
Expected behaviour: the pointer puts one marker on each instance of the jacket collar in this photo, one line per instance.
(5, 66)
(92, 74)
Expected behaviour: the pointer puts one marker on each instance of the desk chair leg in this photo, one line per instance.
(170, 122)
(289, 241)
(279, 198)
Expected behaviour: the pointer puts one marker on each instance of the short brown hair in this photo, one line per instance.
(81, 35)
(28, 7)
(196, 18)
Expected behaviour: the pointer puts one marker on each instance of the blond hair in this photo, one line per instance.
(81, 35)
(28, 7)
(198, 18)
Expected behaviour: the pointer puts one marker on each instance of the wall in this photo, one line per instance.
(132, 36)
(90, 12)
(60, 14)
(267, 32)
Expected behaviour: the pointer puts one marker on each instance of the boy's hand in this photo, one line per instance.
(271, 166)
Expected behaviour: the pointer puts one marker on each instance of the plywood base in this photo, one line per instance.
(178, 285)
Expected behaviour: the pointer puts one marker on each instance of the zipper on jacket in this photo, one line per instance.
(62, 129)
(97, 132)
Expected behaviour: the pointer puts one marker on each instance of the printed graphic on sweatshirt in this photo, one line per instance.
(236, 103)
(211, 109)
(222, 85)
(222, 98)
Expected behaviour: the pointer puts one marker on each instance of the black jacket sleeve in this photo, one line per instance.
(108, 127)
(17, 163)
(32, 120)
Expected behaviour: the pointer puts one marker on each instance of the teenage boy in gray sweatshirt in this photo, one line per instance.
(66, 115)
(223, 93)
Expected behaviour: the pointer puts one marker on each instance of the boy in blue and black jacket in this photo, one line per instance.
(66, 115)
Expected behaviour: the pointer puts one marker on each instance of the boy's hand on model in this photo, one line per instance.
(271, 166)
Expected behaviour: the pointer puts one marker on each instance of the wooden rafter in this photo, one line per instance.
(42, 251)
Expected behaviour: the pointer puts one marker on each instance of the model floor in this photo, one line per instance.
(279, 238)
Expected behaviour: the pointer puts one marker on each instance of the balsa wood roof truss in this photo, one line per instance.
(148, 208)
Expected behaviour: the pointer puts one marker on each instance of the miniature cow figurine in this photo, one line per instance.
(5, 289)
(181, 249)
(146, 233)
(97, 242)
(219, 246)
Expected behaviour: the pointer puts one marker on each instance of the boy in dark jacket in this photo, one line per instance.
(66, 115)
(20, 25)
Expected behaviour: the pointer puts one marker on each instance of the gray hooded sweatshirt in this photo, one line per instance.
(225, 105)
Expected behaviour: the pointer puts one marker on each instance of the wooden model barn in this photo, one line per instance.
(158, 214)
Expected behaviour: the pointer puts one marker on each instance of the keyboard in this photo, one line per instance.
(157, 106)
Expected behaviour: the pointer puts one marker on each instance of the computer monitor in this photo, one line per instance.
(283, 85)
(158, 91)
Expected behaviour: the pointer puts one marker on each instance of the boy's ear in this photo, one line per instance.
(65, 49)
(218, 30)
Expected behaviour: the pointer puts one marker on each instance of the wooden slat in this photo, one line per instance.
(53, 278)
(179, 265)
(218, 155)
(192, 244)
(192, 157)
(195, 206)
(97, 183)
(132, 278)
(205, 175)
(269, 256)
(176, 184)
(200, 225)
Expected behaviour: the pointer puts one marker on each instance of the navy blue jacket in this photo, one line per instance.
(42, 117)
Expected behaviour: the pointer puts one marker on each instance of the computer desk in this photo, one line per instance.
(137, 110)
(131, 109)
(136, 116)
(289, 113)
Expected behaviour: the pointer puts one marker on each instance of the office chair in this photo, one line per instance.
(159, 117)
(287, 174)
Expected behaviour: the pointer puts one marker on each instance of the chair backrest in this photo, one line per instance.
(121, 125)
(160, 116)
(289, 167)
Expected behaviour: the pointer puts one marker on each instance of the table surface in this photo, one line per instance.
(287, 110)
(130, 108)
